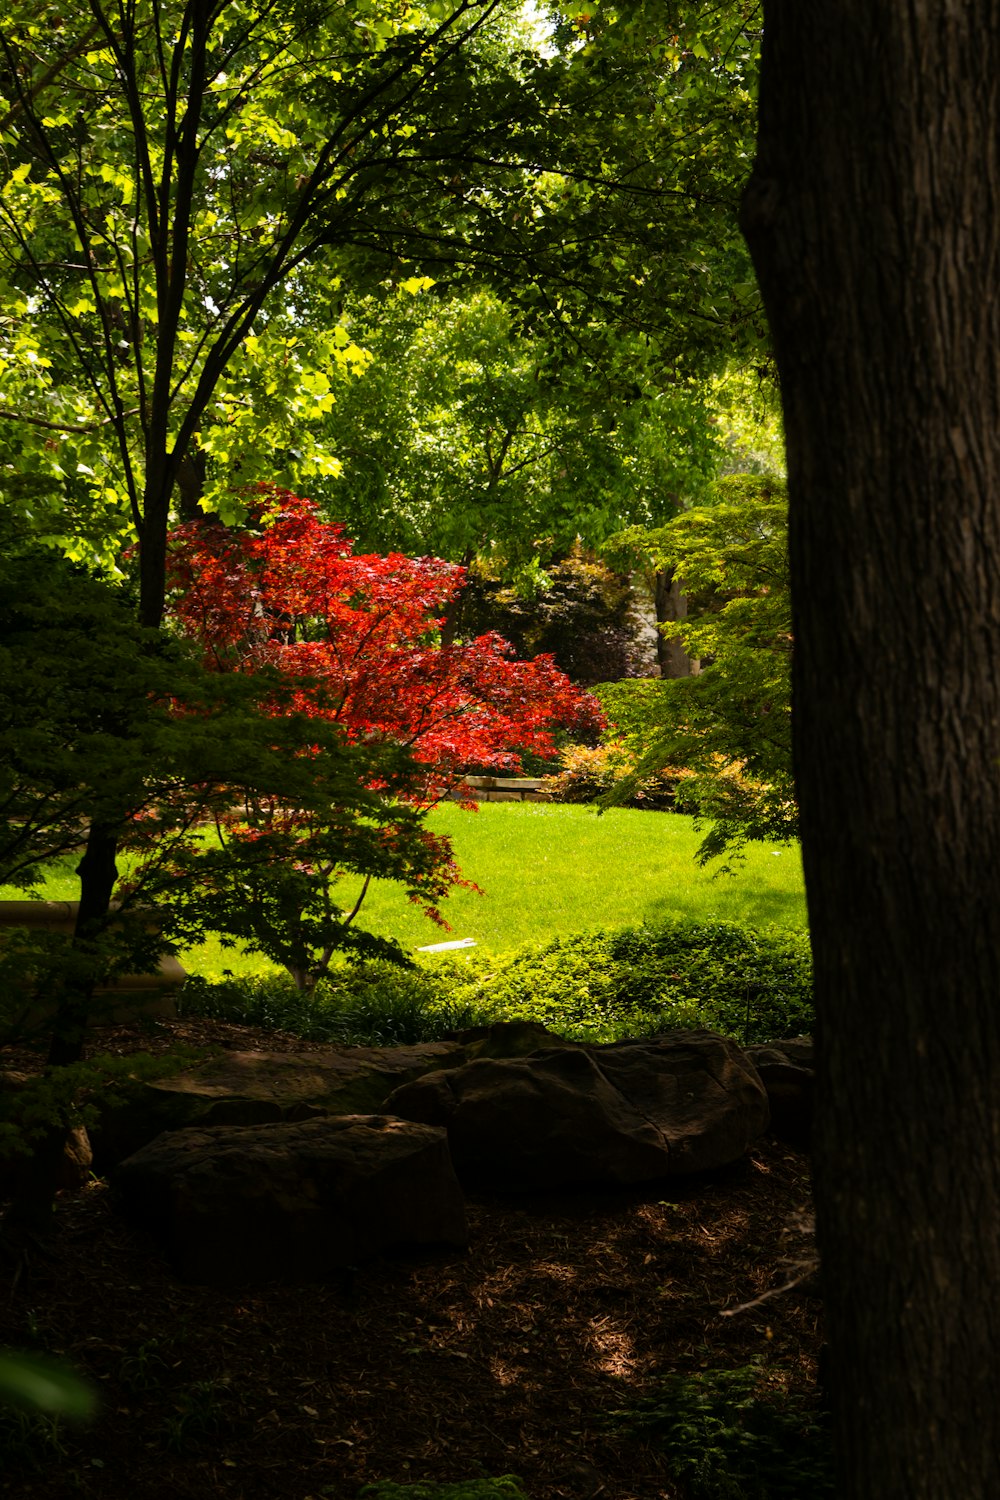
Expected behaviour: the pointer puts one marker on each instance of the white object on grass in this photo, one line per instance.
(445, 947)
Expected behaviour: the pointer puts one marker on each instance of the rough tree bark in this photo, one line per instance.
(873, 216)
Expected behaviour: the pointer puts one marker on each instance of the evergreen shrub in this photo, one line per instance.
(752, 985)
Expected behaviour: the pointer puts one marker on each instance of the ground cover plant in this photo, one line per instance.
(750, 984)
(730, 1435)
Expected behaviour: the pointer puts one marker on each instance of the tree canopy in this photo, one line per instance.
(188, 196)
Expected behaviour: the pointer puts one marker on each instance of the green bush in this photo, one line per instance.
(374, 1004)
(504, 1488)
(751, 985)
(602, 986)
(729, 1435)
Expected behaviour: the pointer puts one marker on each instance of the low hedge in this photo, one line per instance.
(753, 985)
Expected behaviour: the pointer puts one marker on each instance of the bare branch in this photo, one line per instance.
(6, 415)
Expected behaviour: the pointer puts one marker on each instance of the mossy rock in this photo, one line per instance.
(504, 1488)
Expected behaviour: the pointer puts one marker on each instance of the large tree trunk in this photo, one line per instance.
(874, 220)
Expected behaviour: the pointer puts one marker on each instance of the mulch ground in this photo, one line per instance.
(507, 1358)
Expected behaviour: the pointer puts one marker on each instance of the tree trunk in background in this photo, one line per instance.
(874, 220)
(191, 485)
(671, 604)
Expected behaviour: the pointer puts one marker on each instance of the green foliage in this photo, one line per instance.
(592, 184)
(202, 1411)
(735, 1435)
(29, 1439)
(751, 985)
(730, 726)
(44, 1385)
(504, 1488)
(36, 1394)
(146, 1369)
(369, 1004)
(75, 1094)
(465, 437)
(604, 986)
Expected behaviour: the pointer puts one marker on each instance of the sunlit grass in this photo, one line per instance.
(547, 870)
(550, 869)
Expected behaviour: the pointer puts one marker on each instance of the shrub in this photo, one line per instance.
(374, 1004)
(751, 985)
(731, 1436)
(588, 774)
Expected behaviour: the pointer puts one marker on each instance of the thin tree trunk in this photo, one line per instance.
(874, 220)
(454, 611)
(191, 485)
(98, 872)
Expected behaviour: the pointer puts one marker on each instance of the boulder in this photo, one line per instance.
(506, 1039)
(293, 1202)
(615, 1115)
(786, 1071)
(260, 1088)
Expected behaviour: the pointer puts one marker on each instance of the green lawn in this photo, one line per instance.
(550, 869)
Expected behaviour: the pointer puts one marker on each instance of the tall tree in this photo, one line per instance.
(873, 218)
(465, 435)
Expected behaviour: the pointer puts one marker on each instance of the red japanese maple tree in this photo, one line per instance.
(358, 638)
(288, 591)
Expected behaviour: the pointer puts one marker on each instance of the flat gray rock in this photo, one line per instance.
(260, 1088)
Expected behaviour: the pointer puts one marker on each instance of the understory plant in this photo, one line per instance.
(736, 1435)
(751, 985)
(369, 1004)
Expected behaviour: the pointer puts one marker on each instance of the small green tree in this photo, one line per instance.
(730, 724)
